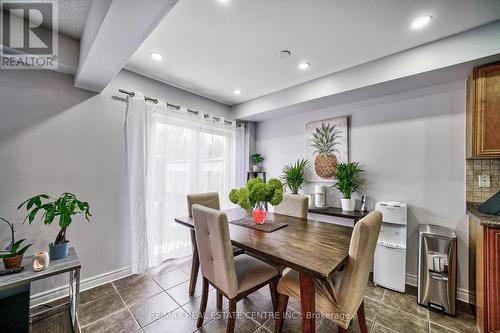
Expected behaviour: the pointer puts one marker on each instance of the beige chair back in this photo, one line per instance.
(293, 205)
(214, 248)
(364, 238)
(210, 199)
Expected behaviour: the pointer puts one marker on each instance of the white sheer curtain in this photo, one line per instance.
(176, 153)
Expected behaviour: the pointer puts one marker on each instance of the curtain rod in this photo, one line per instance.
(177, 107)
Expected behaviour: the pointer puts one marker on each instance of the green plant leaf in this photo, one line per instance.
(21, 251)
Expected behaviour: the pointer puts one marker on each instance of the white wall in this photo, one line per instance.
(412, 146)
(56, 138)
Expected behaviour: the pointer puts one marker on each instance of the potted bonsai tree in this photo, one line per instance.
(255, 194)
(12, 256)
(63, 208)
(348, 181)
(293, 175)
(257, 159)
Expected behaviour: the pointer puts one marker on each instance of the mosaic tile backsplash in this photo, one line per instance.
(474, 168)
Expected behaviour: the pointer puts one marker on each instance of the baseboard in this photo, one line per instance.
(462, 294)
(85, 284)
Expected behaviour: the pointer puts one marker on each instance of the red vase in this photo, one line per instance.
(259, 214)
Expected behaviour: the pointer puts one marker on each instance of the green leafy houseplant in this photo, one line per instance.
(63, 208)
(257, 158)
(347, 176)
(257, 192)
(13, 255)
(293, 175)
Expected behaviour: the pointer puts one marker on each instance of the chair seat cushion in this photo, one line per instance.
(237, 251)
(252, 272)
(326, 303)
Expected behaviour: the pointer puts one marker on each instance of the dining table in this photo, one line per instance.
(313, 248)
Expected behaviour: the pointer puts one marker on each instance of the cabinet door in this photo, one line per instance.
(488, 110)
(493, 279)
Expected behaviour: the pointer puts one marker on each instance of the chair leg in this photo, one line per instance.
(280, 315)
(231, 320)
(273, 289)
(340, 329)
(219, 301)
(203, 303)
(362, 318)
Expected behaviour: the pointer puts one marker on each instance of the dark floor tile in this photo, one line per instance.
(401, 321)
(460, 323)
(48, 305)
(377, 328)
(464, 308)
(96, 292)
(374, 292)
(404, 302)
(371, 308)
(262, 329)
(119, 322)
(440, 329)
(171, 279)
(178, 321)
(257, 306)
(94, 310)
(292, 323)
(157, 306)
(180, 292)
(242, 325)
(330, 326)
(129, 281)
(144, 287)
(411, 290)
(192, 307)
(58, 323)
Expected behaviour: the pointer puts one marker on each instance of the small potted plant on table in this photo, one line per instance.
(64, 207)
(255, 194)
(13, 256)
(348, 181)
(293, 175)
(257, 159)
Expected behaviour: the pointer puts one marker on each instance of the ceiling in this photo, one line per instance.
(212, 48)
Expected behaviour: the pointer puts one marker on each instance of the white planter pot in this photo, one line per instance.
(348, 204)
(256, 168)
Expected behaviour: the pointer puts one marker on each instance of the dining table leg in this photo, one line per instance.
(195, 264)
(308, 302)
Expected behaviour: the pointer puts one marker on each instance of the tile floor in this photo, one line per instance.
(158, 302)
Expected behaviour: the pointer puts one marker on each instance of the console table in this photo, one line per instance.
(15, 293)
(338, 212)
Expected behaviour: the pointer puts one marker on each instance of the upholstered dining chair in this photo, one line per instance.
(234, 277)
(211, 200)
(341, 296)
(293, 205)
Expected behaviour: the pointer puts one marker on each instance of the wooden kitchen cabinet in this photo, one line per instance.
(483, 112)
(484, 274)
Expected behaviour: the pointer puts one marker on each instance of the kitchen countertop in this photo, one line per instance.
(487, 220)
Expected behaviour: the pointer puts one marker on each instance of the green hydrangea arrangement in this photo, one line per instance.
(257, 192)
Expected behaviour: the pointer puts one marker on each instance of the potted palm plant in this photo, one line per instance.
(348, 181)
(63, 208)
(257, 159)
(12, 256)
(293, 175)
(255, 194)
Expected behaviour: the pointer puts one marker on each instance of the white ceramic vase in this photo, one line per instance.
(348, 204)
(256, 168)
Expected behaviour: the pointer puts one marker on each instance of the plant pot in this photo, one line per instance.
(59, 251)
(256, 168)
(259, 214)
(13, 262)
(348, 204)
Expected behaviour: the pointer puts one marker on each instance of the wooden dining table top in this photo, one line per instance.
(311, 246)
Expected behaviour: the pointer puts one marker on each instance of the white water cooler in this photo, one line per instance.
(389, 268)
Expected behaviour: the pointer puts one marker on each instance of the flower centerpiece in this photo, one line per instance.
(255, 194)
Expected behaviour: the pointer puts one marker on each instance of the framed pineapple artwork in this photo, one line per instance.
(327, 144)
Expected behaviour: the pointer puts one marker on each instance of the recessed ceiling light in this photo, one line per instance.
(283, 54)
(304, 65)
(237, 92)
(420, 22)
(223, 1)
(156, 56)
